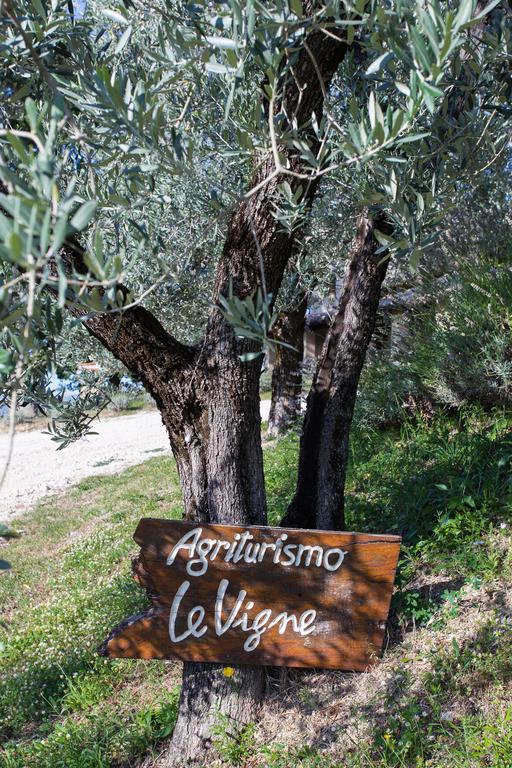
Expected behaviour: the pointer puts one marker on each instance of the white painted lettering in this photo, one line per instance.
(195, 617)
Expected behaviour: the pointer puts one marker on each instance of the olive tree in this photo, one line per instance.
(107, 115)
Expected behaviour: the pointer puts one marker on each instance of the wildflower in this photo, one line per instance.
(228, 671)
(387, 737)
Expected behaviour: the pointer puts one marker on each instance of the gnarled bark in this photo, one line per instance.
(318, 501)
(209, 398)
(287, 373)
(229, 421)
(208, 701)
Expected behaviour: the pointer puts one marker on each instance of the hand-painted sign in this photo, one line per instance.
(257, 595)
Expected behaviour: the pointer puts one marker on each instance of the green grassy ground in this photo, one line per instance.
(446, 486)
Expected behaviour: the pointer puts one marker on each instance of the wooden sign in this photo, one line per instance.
(258, 595)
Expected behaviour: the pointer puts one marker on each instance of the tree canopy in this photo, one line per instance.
(131, 131)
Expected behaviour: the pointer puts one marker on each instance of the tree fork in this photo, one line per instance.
(235, 480)
(209, 398)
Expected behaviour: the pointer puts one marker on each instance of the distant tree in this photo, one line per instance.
(105, 119)
(286, 396)
(313, 271)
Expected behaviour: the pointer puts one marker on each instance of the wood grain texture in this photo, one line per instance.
(350, 602)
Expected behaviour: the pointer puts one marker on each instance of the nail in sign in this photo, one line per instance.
(259, 595)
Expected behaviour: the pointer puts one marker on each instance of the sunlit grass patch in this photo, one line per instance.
(70, 583)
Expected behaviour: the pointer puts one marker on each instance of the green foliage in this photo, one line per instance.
(98, 739)
(423, 731)
(69, 424)
(282, 756)
(60, 607)
(384, 390)
(280, 466)
(61, 705)
(465, 355)
(129, 400)
(414, 609)
(444, 485)
(251, 318)
(234, 745)
(69, 584)
(136, 133)
(450, 343)
(479, 741)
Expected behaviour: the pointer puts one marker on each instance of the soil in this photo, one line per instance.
(336, 712)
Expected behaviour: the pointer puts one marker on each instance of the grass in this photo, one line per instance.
(446, 486)
(69, 584)
(425, 727)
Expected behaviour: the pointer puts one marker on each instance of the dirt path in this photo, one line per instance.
(37, 468)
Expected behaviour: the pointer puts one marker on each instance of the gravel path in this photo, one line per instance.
(37, 468)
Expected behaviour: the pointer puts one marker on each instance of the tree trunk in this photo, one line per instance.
(209, 700)
(228, 431)
(319, 497)
(221, 468)
(226, 465)
(287, 373)
(208, 397)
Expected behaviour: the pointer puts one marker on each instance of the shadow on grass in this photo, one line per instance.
(418, 488)
(39, 681)
(412, 713)
(414, 607)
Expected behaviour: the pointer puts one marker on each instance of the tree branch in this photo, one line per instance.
(301, 98)
(135, 337)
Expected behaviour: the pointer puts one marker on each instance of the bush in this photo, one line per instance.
(129, 400)
(458, 354)
(466, 355)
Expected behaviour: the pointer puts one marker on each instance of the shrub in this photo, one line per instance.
(461, 353)
(465, 356)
